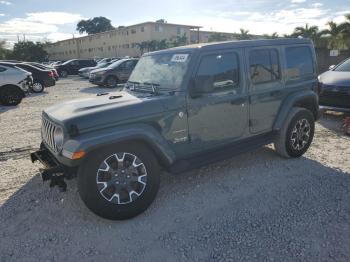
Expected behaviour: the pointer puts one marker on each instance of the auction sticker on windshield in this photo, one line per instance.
(179, 58)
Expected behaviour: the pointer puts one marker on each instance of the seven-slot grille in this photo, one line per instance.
(47, 133)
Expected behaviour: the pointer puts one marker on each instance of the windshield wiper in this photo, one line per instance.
(153, 86)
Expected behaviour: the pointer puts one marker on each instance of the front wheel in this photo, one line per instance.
(119, 182)
(111, 81)
(296, 135)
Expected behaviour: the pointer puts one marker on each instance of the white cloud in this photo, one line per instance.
(5, 3)
(298, 1)
(2, 14)
(23, 26)
(316, 5)
(54, 18)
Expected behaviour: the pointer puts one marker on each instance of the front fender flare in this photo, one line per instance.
(146, 134)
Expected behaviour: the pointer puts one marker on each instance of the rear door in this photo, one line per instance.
(266, 87)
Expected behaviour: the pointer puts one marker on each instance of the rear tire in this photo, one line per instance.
(64, 73)
(296, 134)
(11, 95)
(37, 87)
(105, 188)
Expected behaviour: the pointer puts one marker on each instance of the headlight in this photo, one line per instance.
(58, 137)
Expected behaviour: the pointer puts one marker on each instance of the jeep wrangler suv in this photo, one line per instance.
(180, 109)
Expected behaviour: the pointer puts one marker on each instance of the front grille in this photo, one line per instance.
(47, 133)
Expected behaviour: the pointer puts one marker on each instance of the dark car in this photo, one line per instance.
(45, 67)
(71, 67)
(41, 78)
(180, 109)
(114, 74)
(335, 87)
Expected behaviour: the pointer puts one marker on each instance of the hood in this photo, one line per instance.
(335, 78)
(105, 111)
(99, 70)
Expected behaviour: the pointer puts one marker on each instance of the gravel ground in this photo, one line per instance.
(253, 207)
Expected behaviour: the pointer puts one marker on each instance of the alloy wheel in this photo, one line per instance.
(300, 134)
(121, 178)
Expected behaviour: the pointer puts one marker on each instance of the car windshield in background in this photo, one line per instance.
(115, 64)
(164, 70)
(67, 62)
(344, 67)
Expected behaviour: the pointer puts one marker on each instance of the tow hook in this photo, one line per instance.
(56, 178)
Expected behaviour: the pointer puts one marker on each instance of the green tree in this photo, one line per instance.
(178, 41)
(94, 25)
(29, 51)
(243, 34)
(272, 36)
(218, 37)
(310, 32)
(336, 37)
(4, 52)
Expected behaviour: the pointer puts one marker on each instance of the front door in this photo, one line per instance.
(265, 87)
(219, 114)
(125, 69)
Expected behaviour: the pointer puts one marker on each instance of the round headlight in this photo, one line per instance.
(58, 137)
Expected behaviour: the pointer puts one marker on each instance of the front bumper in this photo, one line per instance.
(53, 171)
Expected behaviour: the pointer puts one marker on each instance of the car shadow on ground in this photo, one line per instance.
(333, 121)
(255, 205)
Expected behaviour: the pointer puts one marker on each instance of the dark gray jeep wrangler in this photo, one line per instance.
(181, 108)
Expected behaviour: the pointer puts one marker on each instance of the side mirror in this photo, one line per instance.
(331, 67)
(200, 85)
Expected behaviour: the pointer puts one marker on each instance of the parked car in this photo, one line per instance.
(114, 74)
(181, 108)
(85, 72)
(72, 67)
(335, 87)
(45, 67)
(41, 78)
(14, 83)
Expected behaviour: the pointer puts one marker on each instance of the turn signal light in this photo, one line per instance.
(78, 155)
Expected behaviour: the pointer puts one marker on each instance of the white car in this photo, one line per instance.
(14, 83)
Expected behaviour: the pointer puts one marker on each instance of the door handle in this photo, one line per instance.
(238, 101)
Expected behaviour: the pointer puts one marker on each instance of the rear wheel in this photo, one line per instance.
(119, 182)
(111, 81)
(37, 87)
(11, 95)
(64, 73)
(296, 135)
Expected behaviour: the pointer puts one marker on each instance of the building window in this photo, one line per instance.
(142, 29)
(133, 31)
(180, 31)
(159, 28)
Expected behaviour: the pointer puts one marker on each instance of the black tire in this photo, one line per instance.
(11, 95)
(64, 73)
(291, 143)
(92, 195)
(111, 81)
(37, 87)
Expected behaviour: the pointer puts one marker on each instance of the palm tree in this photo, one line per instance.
(335, 36)
(273, 36)
(311, 32)
(217, 37)
(243, 35)
(3, 51)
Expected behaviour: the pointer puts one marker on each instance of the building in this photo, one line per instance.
(122, 41)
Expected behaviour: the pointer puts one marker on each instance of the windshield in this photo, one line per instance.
(344, 67)
(164, 70)
(67, 62)
(115, 64)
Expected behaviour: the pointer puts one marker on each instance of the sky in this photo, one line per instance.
(41, 20)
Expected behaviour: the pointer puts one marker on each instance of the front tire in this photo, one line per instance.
(296, 134)
(119, 182)
(111, 81)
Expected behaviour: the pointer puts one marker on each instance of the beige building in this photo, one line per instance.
(120, 42)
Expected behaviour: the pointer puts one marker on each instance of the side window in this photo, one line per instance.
(218, 72)
(128, 65)
(74, 63)
(2, 69)
(264, 66)
(299, 62)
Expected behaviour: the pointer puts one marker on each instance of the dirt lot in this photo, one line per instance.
(253, 207)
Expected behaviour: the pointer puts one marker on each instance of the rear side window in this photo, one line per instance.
(219, 72)
(299, 62)
(264, 66)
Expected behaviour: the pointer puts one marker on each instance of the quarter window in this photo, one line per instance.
(299, 62)
(219, 72)
(264, 66)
